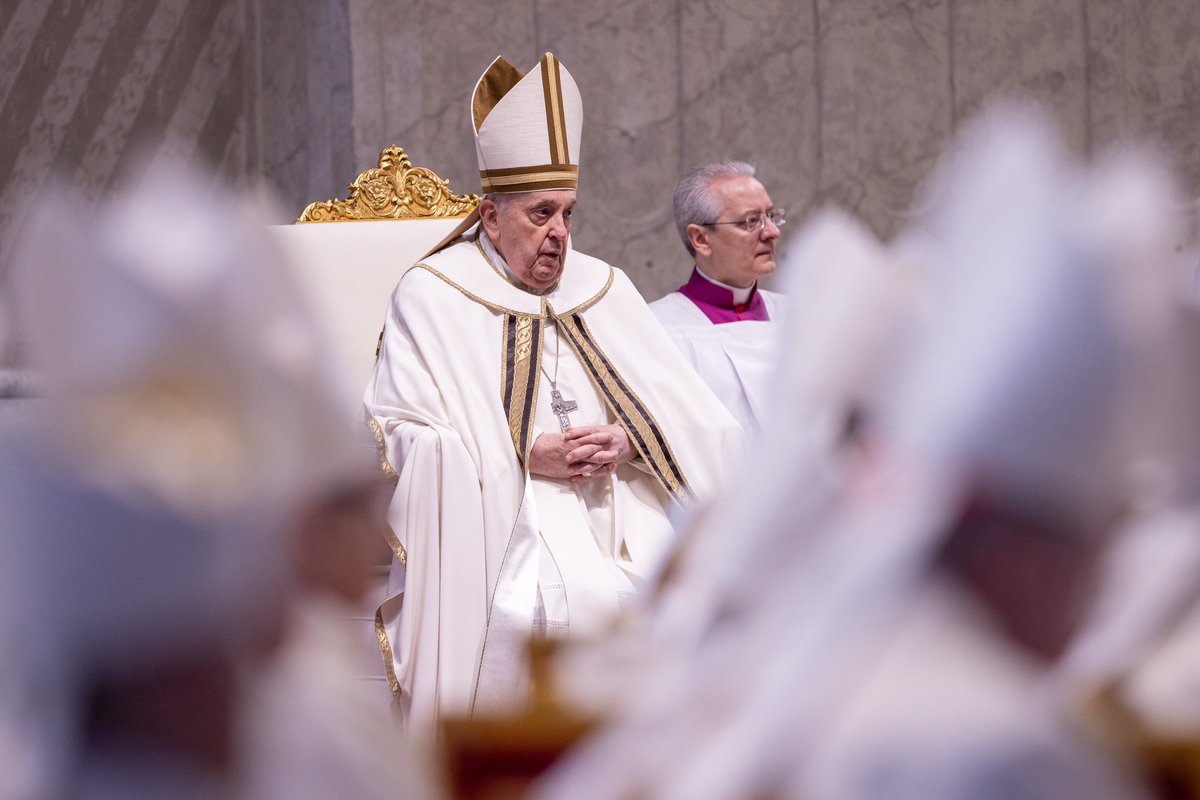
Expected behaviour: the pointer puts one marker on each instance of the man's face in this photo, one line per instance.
(728, 253)
(530, 230)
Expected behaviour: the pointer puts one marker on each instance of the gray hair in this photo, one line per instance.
(500, 199)
(693, 200)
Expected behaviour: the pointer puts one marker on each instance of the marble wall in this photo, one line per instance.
(255, 90)
(837, 101)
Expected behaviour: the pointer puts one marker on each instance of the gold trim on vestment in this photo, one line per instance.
(493, 306)
(385, 650)
(519, 371)
(645, 435)
(586, 304)
(381, 446)
(398, 549)
(488, 259)
(503, 272)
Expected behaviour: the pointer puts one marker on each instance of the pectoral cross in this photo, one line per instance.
(561, 407)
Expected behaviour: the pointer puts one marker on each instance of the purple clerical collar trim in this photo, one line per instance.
(717, 302)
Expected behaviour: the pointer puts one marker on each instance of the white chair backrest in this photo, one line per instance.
(349, 254)
(348, 271)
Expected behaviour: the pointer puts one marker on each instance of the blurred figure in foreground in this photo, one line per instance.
(1062, 330)
(1133, 669)
(314, 727)
(909, 650)
(150, 501)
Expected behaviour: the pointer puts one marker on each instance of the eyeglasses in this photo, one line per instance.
(756, 222)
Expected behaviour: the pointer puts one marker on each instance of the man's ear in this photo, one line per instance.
(698, 236)
(489, 217)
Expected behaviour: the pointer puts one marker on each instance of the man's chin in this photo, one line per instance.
(547, 275)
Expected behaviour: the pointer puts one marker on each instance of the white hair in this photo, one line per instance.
(694, 201)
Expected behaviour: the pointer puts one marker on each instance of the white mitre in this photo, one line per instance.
(527, 131)
(527, 128)
(172, 318)
(1019, 379)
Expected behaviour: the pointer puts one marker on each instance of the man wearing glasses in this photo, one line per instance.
(720, 318)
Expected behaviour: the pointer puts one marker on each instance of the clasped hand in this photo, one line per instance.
(583, 453)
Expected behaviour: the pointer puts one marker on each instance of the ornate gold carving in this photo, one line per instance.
(394, 190)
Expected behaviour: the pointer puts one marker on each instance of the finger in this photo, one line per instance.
(598, 437)
(602, 457)
(584, 450)
(580, 431)
(585, 453)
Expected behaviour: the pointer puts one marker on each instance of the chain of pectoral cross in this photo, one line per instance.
(558, 405)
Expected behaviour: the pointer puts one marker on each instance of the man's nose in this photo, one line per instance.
(559, 226)
(769, 229)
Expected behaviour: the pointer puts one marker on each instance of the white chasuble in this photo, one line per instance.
(484, 551)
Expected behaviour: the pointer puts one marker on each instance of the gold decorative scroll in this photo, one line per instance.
(394, 190)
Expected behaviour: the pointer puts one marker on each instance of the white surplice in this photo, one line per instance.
(736, 359)
(484, 550)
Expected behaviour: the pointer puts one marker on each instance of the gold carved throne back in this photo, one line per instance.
(394, 214)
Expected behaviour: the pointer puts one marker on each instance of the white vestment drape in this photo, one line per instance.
(736, 359)
(457, 398)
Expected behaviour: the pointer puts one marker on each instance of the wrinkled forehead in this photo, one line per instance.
(554, 199)
(559, 197)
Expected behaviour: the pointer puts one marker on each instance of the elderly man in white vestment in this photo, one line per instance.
(539, 423)
(724, 323)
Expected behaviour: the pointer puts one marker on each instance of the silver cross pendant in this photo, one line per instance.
(561, 407)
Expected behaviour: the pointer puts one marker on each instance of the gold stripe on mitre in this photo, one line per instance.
(556, 119)
(495, 82)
